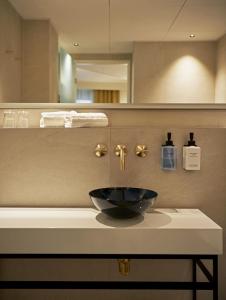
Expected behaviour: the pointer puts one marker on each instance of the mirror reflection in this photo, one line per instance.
(113, 51)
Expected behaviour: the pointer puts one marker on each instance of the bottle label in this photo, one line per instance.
(191, 158)
(168, 158)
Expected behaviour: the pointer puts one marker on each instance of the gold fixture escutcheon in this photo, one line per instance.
(141, 150)
(124, 266)
(100, 150)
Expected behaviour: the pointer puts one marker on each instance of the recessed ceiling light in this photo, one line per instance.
(76, 44)
(192, 36)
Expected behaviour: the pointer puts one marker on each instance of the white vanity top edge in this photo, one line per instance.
(86, 230)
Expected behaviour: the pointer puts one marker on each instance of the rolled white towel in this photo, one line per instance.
(70, 119)
(51, 122)
(55, 114)
(92, 115)
(89, 120)
(89, 123)
(56, 118)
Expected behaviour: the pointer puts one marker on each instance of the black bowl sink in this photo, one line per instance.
(122, 202)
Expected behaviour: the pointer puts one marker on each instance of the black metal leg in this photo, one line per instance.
(194, 278)
(215, 278)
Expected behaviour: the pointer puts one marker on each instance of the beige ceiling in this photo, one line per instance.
(87, 22)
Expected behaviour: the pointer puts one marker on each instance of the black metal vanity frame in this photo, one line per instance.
(211, 283)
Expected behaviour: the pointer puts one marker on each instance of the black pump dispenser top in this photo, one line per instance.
(191, 142)
(169, 142)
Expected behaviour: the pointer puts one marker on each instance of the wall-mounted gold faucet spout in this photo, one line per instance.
(121, 151)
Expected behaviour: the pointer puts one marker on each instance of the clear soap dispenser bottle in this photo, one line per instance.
(169, 155)
(191, 155)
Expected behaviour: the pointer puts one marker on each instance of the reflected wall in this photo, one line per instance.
(28, 58)
(220, 88)
(10, 53)
(180, 72)
(163, 72)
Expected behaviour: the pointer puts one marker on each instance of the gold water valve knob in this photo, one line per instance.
(141, 150)
(100, 150)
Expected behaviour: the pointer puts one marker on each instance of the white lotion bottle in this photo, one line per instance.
(169, 155)
(191, 155)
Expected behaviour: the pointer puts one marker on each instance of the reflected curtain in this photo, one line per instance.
(106, 96)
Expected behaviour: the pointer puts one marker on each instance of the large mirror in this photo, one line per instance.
(113, 51)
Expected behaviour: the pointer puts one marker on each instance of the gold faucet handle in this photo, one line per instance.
(141, 150)
(100, 150)
(121, 151)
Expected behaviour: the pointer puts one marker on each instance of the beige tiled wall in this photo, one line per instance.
(57, 167)
(51, 167)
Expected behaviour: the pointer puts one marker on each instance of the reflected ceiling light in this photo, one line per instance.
(75, 44)
(192, 35)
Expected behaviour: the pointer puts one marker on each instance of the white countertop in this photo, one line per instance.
(87, 231)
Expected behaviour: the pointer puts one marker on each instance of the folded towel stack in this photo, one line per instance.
(55, 119)
(70, 119)
(88, 120)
